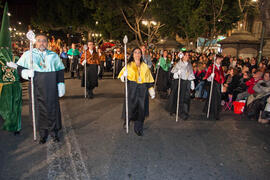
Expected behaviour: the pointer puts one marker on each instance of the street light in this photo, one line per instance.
(19, 23)
(8, 14)
(145, 22)
(154, 23)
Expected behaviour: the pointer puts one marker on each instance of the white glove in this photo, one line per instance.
(27, 74)
(158, 64)
(125, 74)
(61, 89)
(70, 57)
(175, 76)
(12, 65)
(84, 62)
(151, 93)
(192, 85)
(98, 69)
(210, 78)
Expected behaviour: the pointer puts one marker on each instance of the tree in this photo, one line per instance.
(63, 15)
(191, 19)
(129, 12)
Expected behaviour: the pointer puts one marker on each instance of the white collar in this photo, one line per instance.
(218, 65)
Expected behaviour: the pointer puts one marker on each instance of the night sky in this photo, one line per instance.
(21, 11)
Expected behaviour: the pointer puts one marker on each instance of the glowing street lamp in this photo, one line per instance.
(144, 22)
(153, 23)
(8, 14)
(19, 23)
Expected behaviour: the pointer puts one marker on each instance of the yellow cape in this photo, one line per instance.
(133, 74)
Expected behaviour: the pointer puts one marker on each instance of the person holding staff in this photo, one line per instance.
(217, 76)
(183, 70)
(91, 59)
(48, 74)
(140, 86)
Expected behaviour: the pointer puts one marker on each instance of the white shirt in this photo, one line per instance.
(91, 51)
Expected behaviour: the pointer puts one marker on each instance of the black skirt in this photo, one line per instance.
(163, 80)
(215, 106)
(91, 76)
(138, 101)
(184, 99)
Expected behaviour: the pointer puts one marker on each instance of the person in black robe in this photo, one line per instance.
(140, 86)
(183, 70)
(218, 77)
(48, 75)
(91, 58)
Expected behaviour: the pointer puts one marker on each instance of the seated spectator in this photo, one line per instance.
(241, 87)
(233, 84)
(263, 86)
(257, 104)
(253, 64)
(257, 75)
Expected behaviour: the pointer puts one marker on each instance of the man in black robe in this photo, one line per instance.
(48, 74)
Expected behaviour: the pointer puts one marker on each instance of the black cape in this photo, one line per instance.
(47, 107)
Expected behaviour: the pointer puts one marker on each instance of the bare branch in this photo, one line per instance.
(131, 27)
(221, 7)
(145, 7)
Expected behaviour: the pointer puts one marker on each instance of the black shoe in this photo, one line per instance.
(42, 140)
(139, 133)
(16, 133)
(56, 139)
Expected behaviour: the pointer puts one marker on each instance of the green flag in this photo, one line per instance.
(10, 87)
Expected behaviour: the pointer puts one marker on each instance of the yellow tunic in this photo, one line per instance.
(133, 73)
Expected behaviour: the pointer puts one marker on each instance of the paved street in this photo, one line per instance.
(95, 146)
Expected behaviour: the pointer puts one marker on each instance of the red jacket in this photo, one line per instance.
(219, 74)
(250, 84)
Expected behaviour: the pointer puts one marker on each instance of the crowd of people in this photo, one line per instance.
(245, 79)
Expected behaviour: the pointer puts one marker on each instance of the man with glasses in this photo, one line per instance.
(48, 74)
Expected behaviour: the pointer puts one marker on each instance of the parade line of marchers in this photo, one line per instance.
(45, 70)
